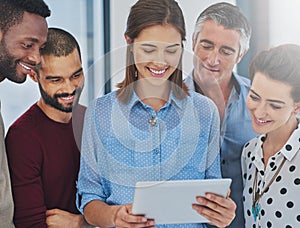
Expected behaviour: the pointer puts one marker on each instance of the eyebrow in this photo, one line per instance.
(49, 77)
(223, 46)
(152, 45)
(270, 100)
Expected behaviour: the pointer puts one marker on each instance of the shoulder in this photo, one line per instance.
(28, 120)
(242, 80)
(202, 101)
(250, 145)
(101, 105)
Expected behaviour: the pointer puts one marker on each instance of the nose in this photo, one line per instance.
(35, 57)
(69, 87)
(160, 59)
(213, 58)
(260, 110)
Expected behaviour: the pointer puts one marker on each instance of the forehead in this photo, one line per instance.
(219, 35)
(159, 34)
(32, 27)
(269, 88)
(60, 66)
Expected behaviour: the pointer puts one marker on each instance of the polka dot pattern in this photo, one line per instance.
(280, 205)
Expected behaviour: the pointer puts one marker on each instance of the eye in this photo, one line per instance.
(55, 80)
(148, 51)
(275, 107)
(206, 46)
(27, 45)
(42, 48)
(226, 52)
(78, 75)
(171, 51)
(253, 97)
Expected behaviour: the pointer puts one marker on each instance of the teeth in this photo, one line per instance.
(157, 71)
(26, 67)
(67, 98)
(261, 121)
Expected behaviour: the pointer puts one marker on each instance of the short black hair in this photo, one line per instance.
(60, 43)
(12, 11)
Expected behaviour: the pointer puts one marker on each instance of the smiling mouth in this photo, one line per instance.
(260, 121)
(69, 99)
(25, 67)
(158, 73)
(210, 69)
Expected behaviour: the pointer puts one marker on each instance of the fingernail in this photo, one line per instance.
(200, 200)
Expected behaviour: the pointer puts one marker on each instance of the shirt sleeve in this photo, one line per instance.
(89, 185)
(25, 161)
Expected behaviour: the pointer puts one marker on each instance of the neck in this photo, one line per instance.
(153, 95)
(53, 113)
(277, 139)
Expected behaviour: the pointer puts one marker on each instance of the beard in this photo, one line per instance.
(53, 100)
(8, 65)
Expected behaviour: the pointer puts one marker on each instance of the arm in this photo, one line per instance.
(57, 218)
(100, 214)
(25, 159)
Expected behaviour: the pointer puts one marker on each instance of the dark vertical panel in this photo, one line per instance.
(106, 32)
(257, 12)
(90, 46)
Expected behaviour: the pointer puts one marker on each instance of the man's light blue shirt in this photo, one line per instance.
(126, 143)
(236, 130)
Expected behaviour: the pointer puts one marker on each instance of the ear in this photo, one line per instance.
(33, 75)
(1, 35)
(193, 42)
(128, 39)
(241, 56)
(297, 108)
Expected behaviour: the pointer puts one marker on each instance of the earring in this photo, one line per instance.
(135, 74)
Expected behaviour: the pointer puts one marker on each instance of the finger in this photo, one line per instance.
(50, 212)
(212, 216)
(128, 217)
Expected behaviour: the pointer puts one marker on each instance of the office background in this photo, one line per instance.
(99, 25)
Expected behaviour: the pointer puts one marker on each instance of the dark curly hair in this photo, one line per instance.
(11, 11)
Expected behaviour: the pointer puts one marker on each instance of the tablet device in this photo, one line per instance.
(170, 202)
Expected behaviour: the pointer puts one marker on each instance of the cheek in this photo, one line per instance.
(249, 104)
(200, 54)
(140, 58)
(173, 61)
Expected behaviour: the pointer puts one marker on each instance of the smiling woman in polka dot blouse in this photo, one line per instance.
(271, 161)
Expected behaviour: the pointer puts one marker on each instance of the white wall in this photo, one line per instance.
(284, 20)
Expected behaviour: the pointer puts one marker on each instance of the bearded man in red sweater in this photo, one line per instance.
(43, 155)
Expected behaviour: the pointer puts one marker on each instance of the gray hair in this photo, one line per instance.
(230, 17)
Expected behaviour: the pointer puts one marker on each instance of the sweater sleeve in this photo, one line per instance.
(25, 161)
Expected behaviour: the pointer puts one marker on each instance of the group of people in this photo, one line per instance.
(62, 165)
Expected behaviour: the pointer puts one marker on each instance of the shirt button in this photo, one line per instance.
(156, 151)
(223, 162)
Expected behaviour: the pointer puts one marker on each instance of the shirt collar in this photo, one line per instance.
(172, 100)
(289, 150)
(237, 82)
(291, 147)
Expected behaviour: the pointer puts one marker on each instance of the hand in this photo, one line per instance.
(57, 218)
(218, 210)
(124, 218)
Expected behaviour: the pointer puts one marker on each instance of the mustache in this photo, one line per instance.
(66, 94)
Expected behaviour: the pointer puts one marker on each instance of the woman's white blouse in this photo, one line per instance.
(280, 204)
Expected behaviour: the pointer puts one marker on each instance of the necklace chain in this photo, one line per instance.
(256, 196)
